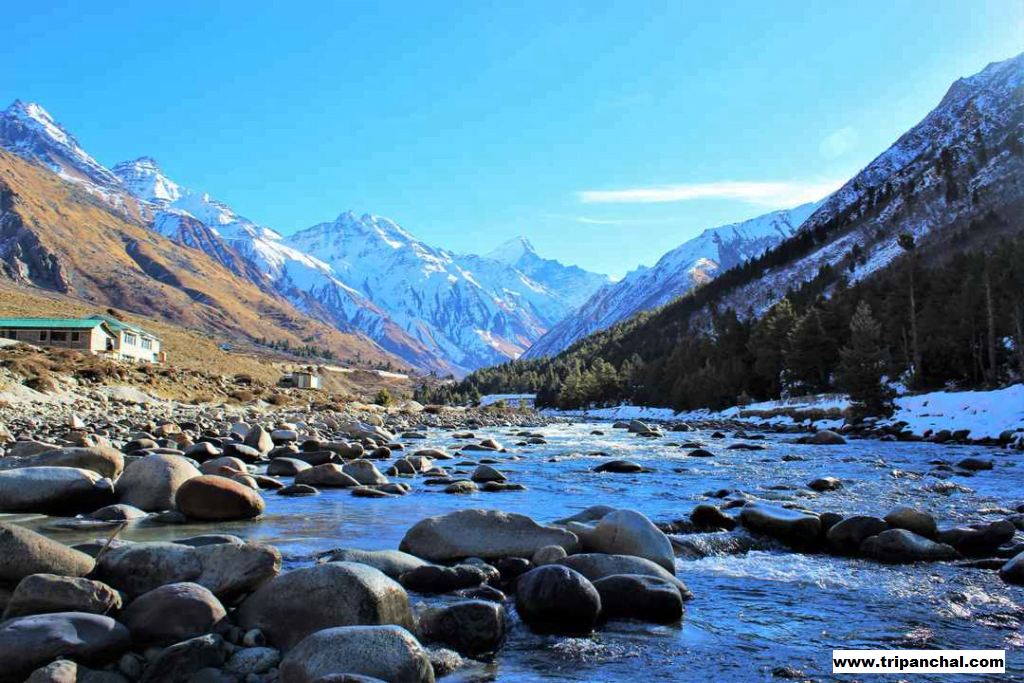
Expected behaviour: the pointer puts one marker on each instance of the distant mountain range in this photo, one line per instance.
(434, 309)
(437, 310)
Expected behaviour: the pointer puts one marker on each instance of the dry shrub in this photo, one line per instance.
(242, 396)
(278, 400)
(202, 398)
(44, 383)
(243, 379)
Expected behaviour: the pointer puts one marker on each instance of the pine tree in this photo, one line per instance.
(769, 343)
(906, 242)
(810, 355)
(862, 366)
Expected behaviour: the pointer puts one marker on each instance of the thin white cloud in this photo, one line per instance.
(838, 143)
(774, 194)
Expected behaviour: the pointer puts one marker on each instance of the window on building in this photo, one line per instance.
(58, 336)
(129, 338)
(42, 335)
(147, 344)
(76, 336)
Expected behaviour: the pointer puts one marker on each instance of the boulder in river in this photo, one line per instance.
(826, 437)
(899, 546)
(286, 467)
(789, 526)
(104, 460)
(978, 540)
(393, 563)
(471, 627)
(846, 536)
(1013, 571)
(556, 599)
(300, 602)
(172, 613)
(596, 566)
(635, 596)
(24, 552)
(325, 476)
(388, 653)
(487, 534)
(822, 484)
(214, 498)
(28, 643)
(53, 490)
(432, 578)
(364, 472)
(151, 483)
(48, 593)
(620, 467)
(627, 532)
(911, 519)
(707, 516)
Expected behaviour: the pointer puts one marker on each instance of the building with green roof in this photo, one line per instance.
(97, 334)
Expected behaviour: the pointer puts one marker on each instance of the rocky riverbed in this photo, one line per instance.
(176, 544)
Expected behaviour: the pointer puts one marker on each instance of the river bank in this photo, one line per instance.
(732, 526)
(988, 417)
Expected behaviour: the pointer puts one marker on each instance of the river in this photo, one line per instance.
(751, 612)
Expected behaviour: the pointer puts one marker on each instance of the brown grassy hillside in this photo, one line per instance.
(55, 236)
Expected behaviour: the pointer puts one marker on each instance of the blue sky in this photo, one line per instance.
(472, 122)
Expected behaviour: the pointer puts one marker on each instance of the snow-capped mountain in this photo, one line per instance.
(29, 131)
(677, 272)
(572, 284)
(962, 164)
(470, 310)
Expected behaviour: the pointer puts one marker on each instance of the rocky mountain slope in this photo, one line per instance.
(436, 310)
(572, 284)
(58, 236)
(693, 263)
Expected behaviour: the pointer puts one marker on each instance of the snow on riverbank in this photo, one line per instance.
(987, 414)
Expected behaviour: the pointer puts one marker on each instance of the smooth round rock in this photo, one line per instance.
(645, 598)
(390, 653)
(214, 498)
(556, 599)
(346, 594)
(48, 593)
(24, 552)
(53, 490)
(28, 643)
(151, 483)
(172, 613)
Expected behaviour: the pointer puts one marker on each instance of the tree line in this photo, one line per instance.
(956, 321)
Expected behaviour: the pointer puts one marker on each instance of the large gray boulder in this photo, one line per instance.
(300, 602)
(229, 568)
(151, 483)
(487, 534)
(364, 472)
(24, 552)
(471, 627)
(645, 598)
(233, 569)
(899, 546)
(48, 593)
(596, 566)
(846, 536)
(104, 460)
(393, 563)
(388, 653)
(53, 490)
(979, 540)
(172, 613)
(28, 643)
(912, 519)
(789, 526)
(286, 467)
(556, 599)
(138, 568)
(1013, 571)
(627, 532)
(326, 476)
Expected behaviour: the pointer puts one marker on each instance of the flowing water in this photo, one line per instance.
(752, 611)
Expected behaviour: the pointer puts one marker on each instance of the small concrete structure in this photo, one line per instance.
(305, 380)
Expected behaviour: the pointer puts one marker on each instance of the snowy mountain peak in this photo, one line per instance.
(145, 179)
(28, 130)
(512, 251)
